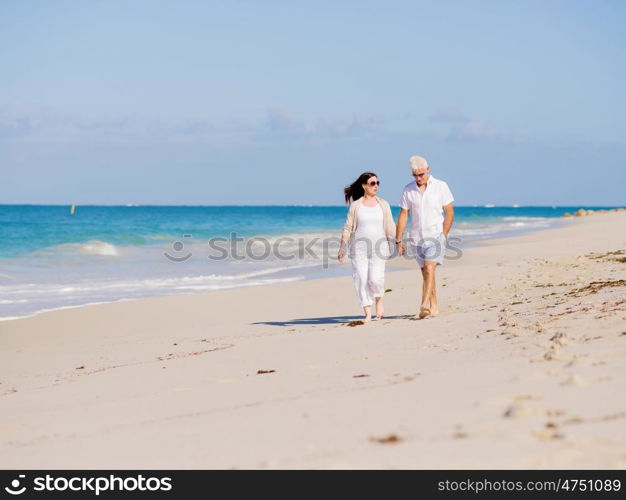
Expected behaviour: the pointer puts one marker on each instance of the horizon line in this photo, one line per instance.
(288, 205)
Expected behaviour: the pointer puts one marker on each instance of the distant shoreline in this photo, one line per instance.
(107, 258)
(313, 275)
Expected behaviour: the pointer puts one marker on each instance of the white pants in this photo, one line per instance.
(368, 273)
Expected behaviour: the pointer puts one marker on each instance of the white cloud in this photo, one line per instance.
(285, 122)
(448, 115)
(456, 126)
(474, 129)
(46, 125)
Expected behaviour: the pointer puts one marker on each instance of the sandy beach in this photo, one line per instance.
(524, 368)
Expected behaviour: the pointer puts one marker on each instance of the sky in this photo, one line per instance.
(281, 102)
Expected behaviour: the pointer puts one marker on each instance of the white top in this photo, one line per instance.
(369, 223)
(369, 237)
(426, 208)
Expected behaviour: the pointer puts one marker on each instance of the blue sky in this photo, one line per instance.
(280, 102)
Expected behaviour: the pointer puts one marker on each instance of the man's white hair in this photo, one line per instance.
(417, 162)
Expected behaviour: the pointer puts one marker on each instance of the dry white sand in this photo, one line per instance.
(524, 368)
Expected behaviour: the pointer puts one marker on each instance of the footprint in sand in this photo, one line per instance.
(517, 410)
(521, 409)
(578, 361)
(559, 339)
(551, 354)
(575, 381)
(548, 435)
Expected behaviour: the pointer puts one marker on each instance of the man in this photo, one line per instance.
(426, 199)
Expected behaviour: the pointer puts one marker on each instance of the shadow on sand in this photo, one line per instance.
(329, 320)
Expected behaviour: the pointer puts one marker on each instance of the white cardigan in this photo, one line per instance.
(349, 227)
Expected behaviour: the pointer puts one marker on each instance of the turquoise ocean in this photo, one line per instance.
(50, 259)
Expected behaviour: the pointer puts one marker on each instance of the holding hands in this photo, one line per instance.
(400, 246)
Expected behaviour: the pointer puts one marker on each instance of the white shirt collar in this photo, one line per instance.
(430, 180)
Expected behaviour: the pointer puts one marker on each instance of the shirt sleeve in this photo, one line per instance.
(446, 195)
(347, 227)
(404, 201)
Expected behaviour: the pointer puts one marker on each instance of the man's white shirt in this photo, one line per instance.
(426, 208)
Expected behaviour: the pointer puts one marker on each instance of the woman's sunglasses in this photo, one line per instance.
(373, 183)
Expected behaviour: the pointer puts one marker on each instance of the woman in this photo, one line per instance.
(370, 226)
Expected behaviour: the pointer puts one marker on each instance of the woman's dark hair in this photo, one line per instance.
(355, 190)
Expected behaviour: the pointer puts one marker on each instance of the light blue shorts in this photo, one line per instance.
(432, 249)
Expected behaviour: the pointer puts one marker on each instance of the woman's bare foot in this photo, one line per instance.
(424, 312)
(368, 314)
(380, 310)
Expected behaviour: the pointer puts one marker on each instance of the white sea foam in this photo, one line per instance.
(525, 218)
(502, 225)
(91, 247)
(98, 247)
(181, 288)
